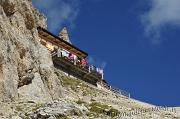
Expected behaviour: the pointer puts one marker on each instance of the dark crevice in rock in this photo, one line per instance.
(9, 8)
(26, 80)
(22, 53)
(29, 21)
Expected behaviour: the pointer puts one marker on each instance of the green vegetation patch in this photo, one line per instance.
(103, 109)
(69, 82)
(80, 102)
(62, 117)
(76, 85)
(19, 108)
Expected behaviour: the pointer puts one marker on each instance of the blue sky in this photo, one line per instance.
(137, 42)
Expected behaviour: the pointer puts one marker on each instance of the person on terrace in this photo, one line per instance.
(83, 62)
(75, 59)
(71, 57)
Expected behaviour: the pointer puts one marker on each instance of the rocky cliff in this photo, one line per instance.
(26, 68)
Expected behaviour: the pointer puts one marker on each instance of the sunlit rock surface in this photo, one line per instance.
(26, 68)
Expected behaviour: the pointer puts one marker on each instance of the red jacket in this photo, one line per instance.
(83, 61)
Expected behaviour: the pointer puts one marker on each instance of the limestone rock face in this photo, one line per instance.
(26, 68)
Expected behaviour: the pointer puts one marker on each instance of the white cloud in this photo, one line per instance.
(58, 12)
(162, 13)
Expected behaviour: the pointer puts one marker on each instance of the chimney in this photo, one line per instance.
(64, 35)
